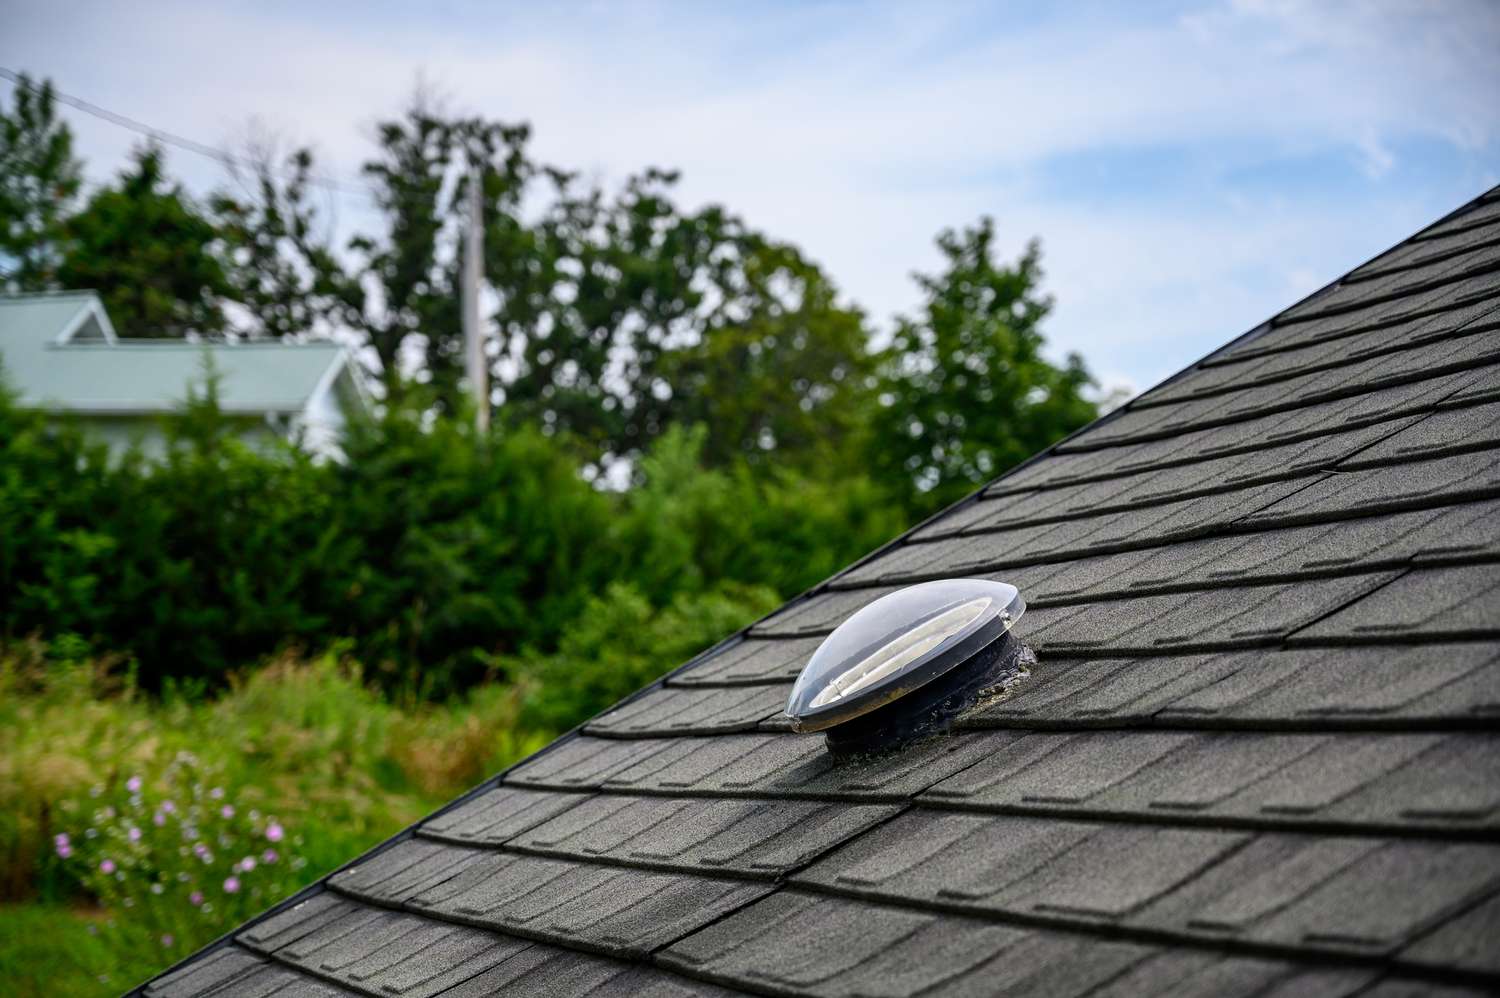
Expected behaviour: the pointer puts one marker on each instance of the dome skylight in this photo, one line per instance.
(901, 666)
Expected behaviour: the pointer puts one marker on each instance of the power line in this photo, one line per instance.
(223, 157)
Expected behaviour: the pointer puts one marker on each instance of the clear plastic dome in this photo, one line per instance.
(897, 644)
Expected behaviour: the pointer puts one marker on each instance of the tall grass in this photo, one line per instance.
(135, 829)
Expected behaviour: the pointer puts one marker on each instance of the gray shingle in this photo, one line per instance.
(792, 765)
(751, 838)
(1389, 896)
(548, 972)
(585, 763)
(498, 815)
(1228, 617)
(404, 870)
(1433, 603)
(213, 971)
(1179, 974)
(798, 944)
(315, 912)
(818, 614)
(394, 951)
(1276, 889)
(901, 562)
(670, 710)
(1447, 277)
(1305, 687)
(1466, 940)
(1442, 481)
(1485, 212)
(752, 660)
(625, 912)
(1385, 781)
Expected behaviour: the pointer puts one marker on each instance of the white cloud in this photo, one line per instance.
(859, 131)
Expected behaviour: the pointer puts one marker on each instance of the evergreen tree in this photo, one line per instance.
(39, 184)
(149, 252)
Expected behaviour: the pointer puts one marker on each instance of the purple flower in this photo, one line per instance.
(158, 819)
(134, 834)
(216, 793)
(167, 940)
(64, 850)
(231, 885)
(269, 856)
(61, 840)
(227, 810)
(168, 807)
(274, 832)
(199, 849)
(195, 898)
(107, 866)
(247, 864)
(133, 784)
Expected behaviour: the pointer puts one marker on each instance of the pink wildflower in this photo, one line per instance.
(195, 898)
(231, 885)
(227, 810)
(247, 864)
(168, 807)
(167, 940)
(133, 784)
(216, 793)
(134, 834)
(107, 867)
(269, 856)
(158, 819)
(64, 850)
(274, 832)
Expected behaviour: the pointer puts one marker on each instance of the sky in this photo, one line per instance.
(1189, 168)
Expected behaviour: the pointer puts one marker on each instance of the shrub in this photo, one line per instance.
(435, 555)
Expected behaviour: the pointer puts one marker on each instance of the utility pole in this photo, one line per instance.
(475, 363)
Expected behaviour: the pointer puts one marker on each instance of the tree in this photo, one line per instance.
(782, 374)
(39, 183)
(280, 265)
(149, 252)
(612, 315)
(965, 392)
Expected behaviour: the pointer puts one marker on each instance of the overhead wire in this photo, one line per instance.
(225, 158)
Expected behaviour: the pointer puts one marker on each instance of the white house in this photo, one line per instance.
(59, 353)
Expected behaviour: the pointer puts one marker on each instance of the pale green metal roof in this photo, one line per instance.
(92, 372)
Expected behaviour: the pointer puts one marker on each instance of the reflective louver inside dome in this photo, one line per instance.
(900, 644)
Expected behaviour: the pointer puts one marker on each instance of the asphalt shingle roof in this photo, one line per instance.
(1258, 753)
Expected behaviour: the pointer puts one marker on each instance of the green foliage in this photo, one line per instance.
(149, 252)
(966, 392)
(304, 746)
(614, 315)
(39, 182)
(621, 643)
(437, 552)
(278, 261)
(181, 846)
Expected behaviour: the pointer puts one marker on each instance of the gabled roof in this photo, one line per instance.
(50, 365)
(1258, 754)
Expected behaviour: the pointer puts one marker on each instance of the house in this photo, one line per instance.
(1258, 753)
(59, 353)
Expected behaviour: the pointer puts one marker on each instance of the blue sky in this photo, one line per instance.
(1189, 168)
